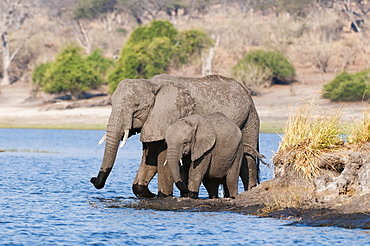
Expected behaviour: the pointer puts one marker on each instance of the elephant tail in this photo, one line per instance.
(259, 156)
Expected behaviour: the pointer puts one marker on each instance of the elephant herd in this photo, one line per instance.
(192, 130)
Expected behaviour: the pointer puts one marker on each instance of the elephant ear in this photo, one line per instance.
(172, 102)
(204, 136)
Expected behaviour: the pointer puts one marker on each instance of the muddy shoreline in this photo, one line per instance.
(255, 202)
(298, 216)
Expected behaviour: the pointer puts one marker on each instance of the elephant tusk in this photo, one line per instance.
(103, 139)
(125, 137)
(181, 162)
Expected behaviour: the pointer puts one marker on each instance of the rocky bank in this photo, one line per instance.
(338, 196)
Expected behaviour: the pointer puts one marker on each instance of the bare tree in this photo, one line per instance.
(106, 11)
(357, 20)
(84, 40)
(144, 9)
(207, 59)
(363, 5)
(13, 14)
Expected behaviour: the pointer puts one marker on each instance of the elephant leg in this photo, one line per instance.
(154, 156)
(165, 181)
(232, 176)
(244, 173)
(253, 170)
(226, 190)
(184, 173)
(145, 173)
(197, 171)
(211, 186)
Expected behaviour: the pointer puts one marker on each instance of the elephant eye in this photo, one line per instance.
(186, 142)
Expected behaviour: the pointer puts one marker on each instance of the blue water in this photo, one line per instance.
(47, 199)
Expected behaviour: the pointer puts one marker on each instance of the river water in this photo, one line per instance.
(46, 199)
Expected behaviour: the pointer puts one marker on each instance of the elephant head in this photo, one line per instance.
(140, 105)
(192, 136)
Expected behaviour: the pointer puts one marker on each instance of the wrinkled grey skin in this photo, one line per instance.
(149, 106)
(215, 147)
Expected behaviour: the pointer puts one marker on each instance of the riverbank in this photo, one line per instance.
(269, 199)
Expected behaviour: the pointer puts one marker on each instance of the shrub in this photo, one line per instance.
(99, 63)
(151, 48)
(251, 75)
(348, 87)
(71, 72)
(273, 66)
(190, 43)
(147, 53)
(39, 73)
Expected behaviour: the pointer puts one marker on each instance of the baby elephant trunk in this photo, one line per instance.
(173, 158)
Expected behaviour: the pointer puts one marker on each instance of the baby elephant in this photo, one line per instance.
(210, 149)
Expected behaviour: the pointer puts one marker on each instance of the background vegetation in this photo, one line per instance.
(72, 72)
(349, 87)
(151, 48)
(260, 67)
(308, 33)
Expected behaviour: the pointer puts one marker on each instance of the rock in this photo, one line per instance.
(364, 178)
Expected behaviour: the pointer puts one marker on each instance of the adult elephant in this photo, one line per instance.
(149, 106)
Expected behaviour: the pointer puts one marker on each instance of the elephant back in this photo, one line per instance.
(216, 93)
(171, 103)
(178, 97)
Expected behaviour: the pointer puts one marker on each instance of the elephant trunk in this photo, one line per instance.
(113, 137)
(173, 158)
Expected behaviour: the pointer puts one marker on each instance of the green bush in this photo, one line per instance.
(100, 63)
(151, 49)
(190, 43)
(348, 87)
(147, 53)
(275, 64)
(72, 72)
(39, 73)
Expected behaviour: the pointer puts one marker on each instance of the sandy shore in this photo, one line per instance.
(19, 109)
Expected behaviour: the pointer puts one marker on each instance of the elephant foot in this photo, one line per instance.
(182, 187)
(183, 194)
(193, 194)
(161, 194)
(142, 191)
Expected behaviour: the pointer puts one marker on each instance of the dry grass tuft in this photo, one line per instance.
(308, 134)
(360, 132)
